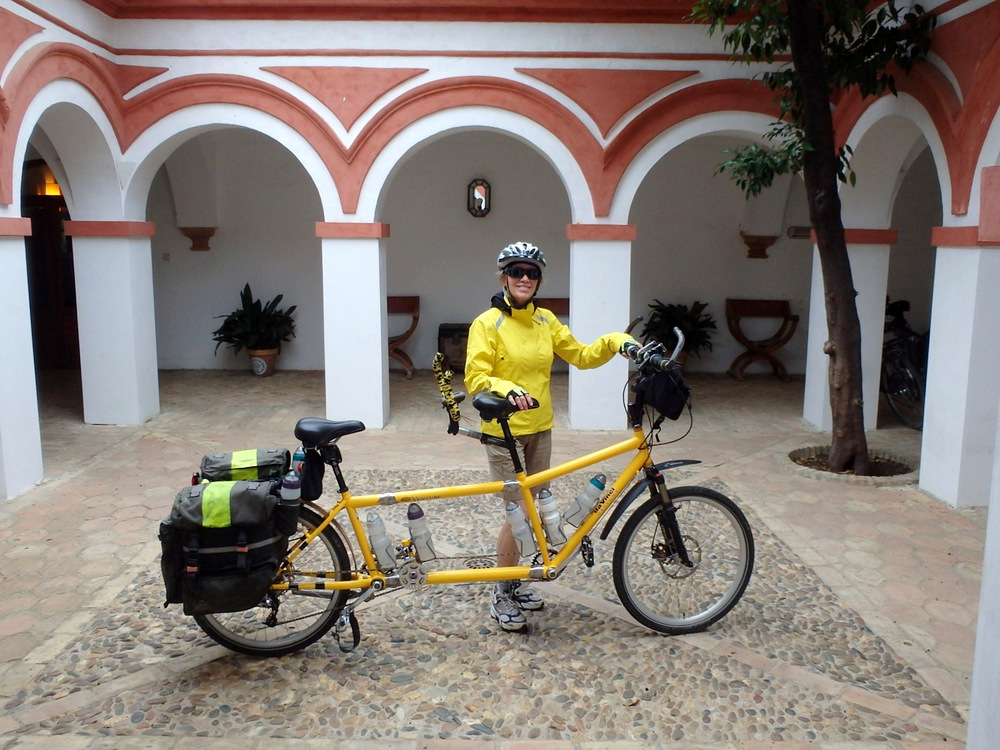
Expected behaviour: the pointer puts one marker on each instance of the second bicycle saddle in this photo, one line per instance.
(491, 406)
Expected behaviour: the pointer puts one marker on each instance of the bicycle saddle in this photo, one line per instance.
(491, 406)
(314, 431)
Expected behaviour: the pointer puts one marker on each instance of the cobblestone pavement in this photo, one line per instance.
(857, 628)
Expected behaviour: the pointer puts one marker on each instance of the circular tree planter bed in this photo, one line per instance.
(886, 469)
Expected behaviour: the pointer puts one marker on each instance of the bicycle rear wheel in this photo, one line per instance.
(662, 593)
(286, 621)
(902, 387)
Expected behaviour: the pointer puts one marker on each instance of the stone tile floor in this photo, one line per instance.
(857, 629)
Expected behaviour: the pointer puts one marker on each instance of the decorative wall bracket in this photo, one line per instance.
(757, 244)
(199, 237)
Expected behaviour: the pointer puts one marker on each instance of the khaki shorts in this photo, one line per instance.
(535, 452)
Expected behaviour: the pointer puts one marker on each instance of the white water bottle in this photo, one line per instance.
(382, 545)
(584, 502)
(551, 519)
(291, 486)
(420, 535)
(520, 528)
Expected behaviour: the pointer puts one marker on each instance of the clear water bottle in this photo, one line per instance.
(298, 458)
(520, 528)
(420, 535)
(585, 501)
(291, 486)
(382, 545)
(551, 519)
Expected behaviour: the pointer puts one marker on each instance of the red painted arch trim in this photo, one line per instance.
(110, 228)
(595, 232)
(870, 236)
(15, 227)
(955, 236)
(346, 230)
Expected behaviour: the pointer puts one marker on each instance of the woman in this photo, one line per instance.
(510, 352)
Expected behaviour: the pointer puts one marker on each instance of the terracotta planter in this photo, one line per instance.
(262, 361)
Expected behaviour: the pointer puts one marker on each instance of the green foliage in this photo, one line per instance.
(862, 48)
(254, 325)
(697, 326)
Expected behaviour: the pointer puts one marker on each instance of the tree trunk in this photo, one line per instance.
(849, 447)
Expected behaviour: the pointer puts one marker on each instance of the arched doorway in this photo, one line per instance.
(51, 286)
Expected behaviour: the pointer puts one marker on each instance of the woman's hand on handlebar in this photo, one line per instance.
(630, 349)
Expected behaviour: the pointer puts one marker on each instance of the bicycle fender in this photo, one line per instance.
(637, 489)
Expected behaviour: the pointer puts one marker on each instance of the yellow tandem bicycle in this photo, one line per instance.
(682, 559)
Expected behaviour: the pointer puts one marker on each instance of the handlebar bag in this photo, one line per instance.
(253, 464)
(222, 545)
(664, 390)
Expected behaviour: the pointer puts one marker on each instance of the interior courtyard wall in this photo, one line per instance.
(439, 251)
(916, 210)
(268, 209)
(689, 248)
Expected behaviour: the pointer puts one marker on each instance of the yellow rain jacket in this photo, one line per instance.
(511, 349)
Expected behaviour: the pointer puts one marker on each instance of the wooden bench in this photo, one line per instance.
(403, 306)
(762, 349)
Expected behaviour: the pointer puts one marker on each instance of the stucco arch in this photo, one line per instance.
(888, 136)
(83, 149)
(447, 122)
(746, 125)
(989, 156)
(152, 148)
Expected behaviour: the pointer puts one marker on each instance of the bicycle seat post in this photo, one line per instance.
(511, 444)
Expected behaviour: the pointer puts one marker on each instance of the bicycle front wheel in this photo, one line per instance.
(902, 388)
(286, 621)
(663, 593)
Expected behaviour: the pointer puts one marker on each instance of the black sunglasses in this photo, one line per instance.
(516, 272)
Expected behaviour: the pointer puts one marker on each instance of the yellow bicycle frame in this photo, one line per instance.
(550, 565)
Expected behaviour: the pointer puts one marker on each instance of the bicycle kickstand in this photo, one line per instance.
(348, 618)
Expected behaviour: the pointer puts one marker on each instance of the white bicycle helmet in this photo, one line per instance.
(520, 252)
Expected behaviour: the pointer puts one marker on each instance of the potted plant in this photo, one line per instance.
(259, 328)
(697, 326)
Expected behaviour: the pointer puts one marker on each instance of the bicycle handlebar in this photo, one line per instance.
(651, 355)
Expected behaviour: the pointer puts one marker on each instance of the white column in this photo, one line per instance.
(20, 438)
(984, 731)
(600, 281)
(963, 389)
(112, 262)
(870, 271)
(354, 322)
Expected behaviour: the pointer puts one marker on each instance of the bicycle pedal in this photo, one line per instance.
(355, 634)
(587, 551)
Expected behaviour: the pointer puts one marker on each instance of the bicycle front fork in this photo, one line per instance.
(673, 539)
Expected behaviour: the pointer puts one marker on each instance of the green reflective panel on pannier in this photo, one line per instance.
(215, 507)
(245, 464)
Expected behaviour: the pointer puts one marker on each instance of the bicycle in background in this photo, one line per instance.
(904, 366)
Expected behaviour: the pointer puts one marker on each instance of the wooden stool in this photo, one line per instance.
(763, 349)
(403, 306)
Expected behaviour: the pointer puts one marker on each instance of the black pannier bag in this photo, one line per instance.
(222, 545)
(664, 390)
(253, 464)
